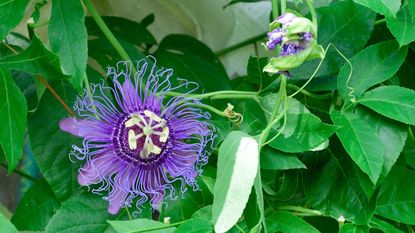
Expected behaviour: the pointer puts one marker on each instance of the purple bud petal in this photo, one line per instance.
(286, 18)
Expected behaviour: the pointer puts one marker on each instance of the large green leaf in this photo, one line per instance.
(36, 208)
(195, 225)
(394, 102)
(345, 24)
(303, 130)
(82, 213)
(392, 134)
(68, 38)
(6, 226)
(286, 222)
(384, 7)
(237, 168)
(371, 66)
(13, 110)
(351, 228)
(396, 197)
(335, 189)
(255, 70)
(194, 61)
(36, 59)
(11, 12)
(403, 26)
(141, 225)
(361, 142)
(50, 145)
(276, 160)
(384, 226)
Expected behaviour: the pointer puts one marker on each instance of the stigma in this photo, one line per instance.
(151, 128)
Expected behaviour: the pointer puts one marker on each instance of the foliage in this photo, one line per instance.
(328, 149)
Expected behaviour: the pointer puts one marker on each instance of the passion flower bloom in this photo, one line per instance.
(138, 145)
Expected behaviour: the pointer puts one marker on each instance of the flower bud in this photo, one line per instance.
(294, 40)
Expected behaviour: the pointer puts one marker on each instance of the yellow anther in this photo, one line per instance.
(132, 140)
(152, 115)
(164, 134)
(134, 120)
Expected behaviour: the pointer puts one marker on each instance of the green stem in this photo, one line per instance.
(312, 95)
(212, 109)
(88, 90)
(107, 32)
(313, 13)
(241, 44)
(128, 213)
(20, 173)
(163, 227)
(300, 209)
(283, 6)
(282, 93)
(219, 95)
(275, 13)
(380, 21)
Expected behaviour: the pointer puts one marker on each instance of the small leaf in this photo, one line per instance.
(36, 59)
(394, 102)
(361, 142)
(6, 225)
(13, 111)
(396, 197)
(68, 38)
(276, 160)
(36, 208)
(11, 13)
(237, 168)
(255, 69)
(142, 225)
(371, 66)
(82, 213)
(351, 228)
(195, 225)
(286, 222)
(384, 7)
(384, 226)
(403, 26)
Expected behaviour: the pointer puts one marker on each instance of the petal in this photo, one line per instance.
(70, 125)
(116, 199)
(99, 167)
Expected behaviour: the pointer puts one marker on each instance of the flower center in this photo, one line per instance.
(146, 134)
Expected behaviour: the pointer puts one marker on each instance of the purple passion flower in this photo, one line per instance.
(137, 146)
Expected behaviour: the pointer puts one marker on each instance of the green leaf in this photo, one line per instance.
(52, 155)
(36, 208)
(68, 38)
(6, 226)
(36, 59)
(13, 111)
(195, 225)
(392, 134)
(371, 66)
(351, 228)
(237, 168)
(204, 212)
(286, 222)
(11, 12)
(141, 225)
(403, 26)
(260, 203)
(194, 61)
(361, 142)
(186, 203)
(335, 189)
(384, 7)
(276, 160)
(384, 226)
(82, 213)
(394, 102)
(396, 196)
